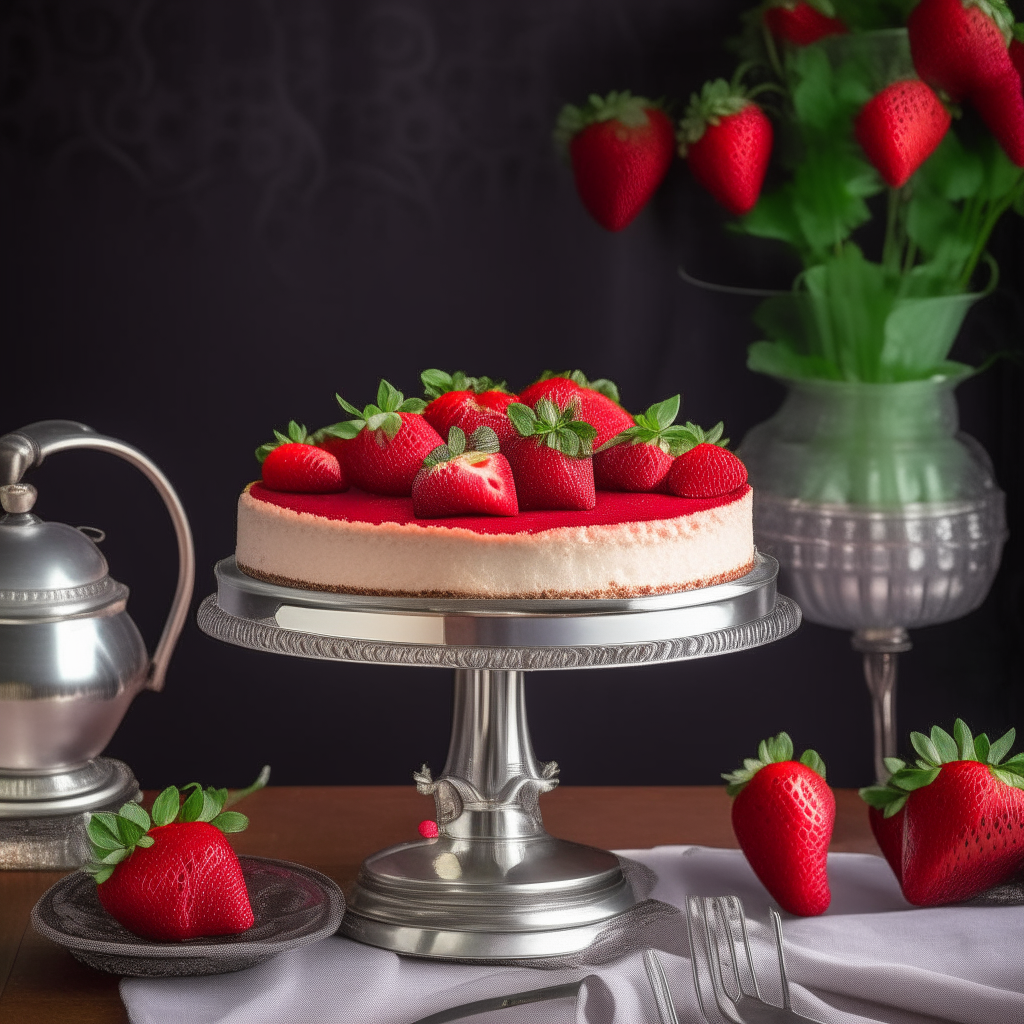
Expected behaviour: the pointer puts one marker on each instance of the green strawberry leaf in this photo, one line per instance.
(1010, 778)
(346, 430)
(982, 748)
(914, 778)
(165, 806)
(388, 398)
(1001, 747)
(437, 383)
(133, 812)
(193, 805)
(812, 760)
(485, 440)
(116, 856)
(211, 807)
(101, 874)
(235, 795)
(926, 748)
(130, 831)
(523, 418)
(893, 764)
(456, 441)
(146, 841)
(436, 456)
(416, 405)
(665, 413)
(945, 744)
(879, 796)
(567, 443)
(964, 741)
(348, 407)
(230, 821)
(103, 831)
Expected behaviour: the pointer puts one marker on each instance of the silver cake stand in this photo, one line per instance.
(494, 884)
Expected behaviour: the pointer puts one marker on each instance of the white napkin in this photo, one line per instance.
(871, 957)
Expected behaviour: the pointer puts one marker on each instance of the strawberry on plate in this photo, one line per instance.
(900, 127)
(551, 461)
(598, 400)
(802, 22)
(727, 140)
(173, 876)
(959, 45)
(293, 462)
(620, 147)
(783, 815)
(386, 442)
(640, 457)
(962, 805)
(466, 402)
(705, 469)
(465, 477)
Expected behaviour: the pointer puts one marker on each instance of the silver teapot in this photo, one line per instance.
(71, 658)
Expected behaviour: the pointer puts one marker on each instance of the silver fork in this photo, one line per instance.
(711, 925)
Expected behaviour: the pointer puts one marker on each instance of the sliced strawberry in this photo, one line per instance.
(598, 401)
(959, 45)
(801, 22)
(551, 460)
(459, 478)
(620, 147)
(900, 128)
(706, 469)
(1000, 102)
(639, 458)
(466, 403)
(386, 442)
(292, 462)
(727, 141)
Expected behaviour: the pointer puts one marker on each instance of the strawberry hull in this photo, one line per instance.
(547, 479)
(606, 416)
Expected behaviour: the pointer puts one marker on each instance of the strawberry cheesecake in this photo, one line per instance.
(557, 492)
(628, 545)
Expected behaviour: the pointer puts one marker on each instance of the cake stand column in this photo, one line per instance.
(880, 648)
(493, 884)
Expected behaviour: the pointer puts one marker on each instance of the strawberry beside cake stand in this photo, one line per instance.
(493, 885)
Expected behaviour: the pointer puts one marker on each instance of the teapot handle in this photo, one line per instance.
(27, 447)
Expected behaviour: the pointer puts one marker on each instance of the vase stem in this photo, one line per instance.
(880, 648)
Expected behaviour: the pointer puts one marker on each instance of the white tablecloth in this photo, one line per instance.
(870, 957)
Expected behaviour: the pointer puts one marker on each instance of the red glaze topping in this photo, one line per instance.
(612, 508)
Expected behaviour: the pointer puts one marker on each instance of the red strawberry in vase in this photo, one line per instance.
(727, 141)
(900, 127)
(466, 403)
(465, 477)
(293, 462)
(783, 815)
(960, 45)
(598, 400)
(386, 442)
(706, 468)
(802, 22)
(962, 804)
(1000, 102)
(640, 457)
(620, 147)
(172, 875)
(550, 460)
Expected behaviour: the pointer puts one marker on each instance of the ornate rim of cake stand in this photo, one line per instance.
(498, 634)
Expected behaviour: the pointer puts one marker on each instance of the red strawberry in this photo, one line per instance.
(727, 140)
(783, 816)
(802, 23)
(1001, 105)
(173, 876)
(639, 458)
(900, 127)
(963, 811)
(598, 401)
(620, 148)
(455, 480)
(551, 460)
(959, 45)
(294, 463)
(888, 833)
(1016, 51)
(387, 442)
(705, 469)
(467, 403)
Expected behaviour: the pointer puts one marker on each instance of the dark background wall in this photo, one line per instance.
(213, 215)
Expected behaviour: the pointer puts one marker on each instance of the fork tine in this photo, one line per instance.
(726, 1004)
(692, 908)
(737, 909)
(697, 925)
(777, 928)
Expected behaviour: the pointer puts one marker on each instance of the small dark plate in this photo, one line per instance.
(293, 905)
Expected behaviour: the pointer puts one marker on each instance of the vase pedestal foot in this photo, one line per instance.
(880, 648)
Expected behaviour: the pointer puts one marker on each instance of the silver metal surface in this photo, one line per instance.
(493, 884)
(17, 498)
(509, 635)
(659, 986)
(570, 990)
(880, 647)
(43, 817)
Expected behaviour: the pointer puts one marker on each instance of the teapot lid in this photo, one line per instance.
(48, 570)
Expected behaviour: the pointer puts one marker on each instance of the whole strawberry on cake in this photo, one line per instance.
(557, 492)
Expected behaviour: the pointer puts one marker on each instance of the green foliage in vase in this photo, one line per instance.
(868, 306)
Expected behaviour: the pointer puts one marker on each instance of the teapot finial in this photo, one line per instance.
(17, 498)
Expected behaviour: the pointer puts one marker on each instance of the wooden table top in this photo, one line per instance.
(333, 828)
